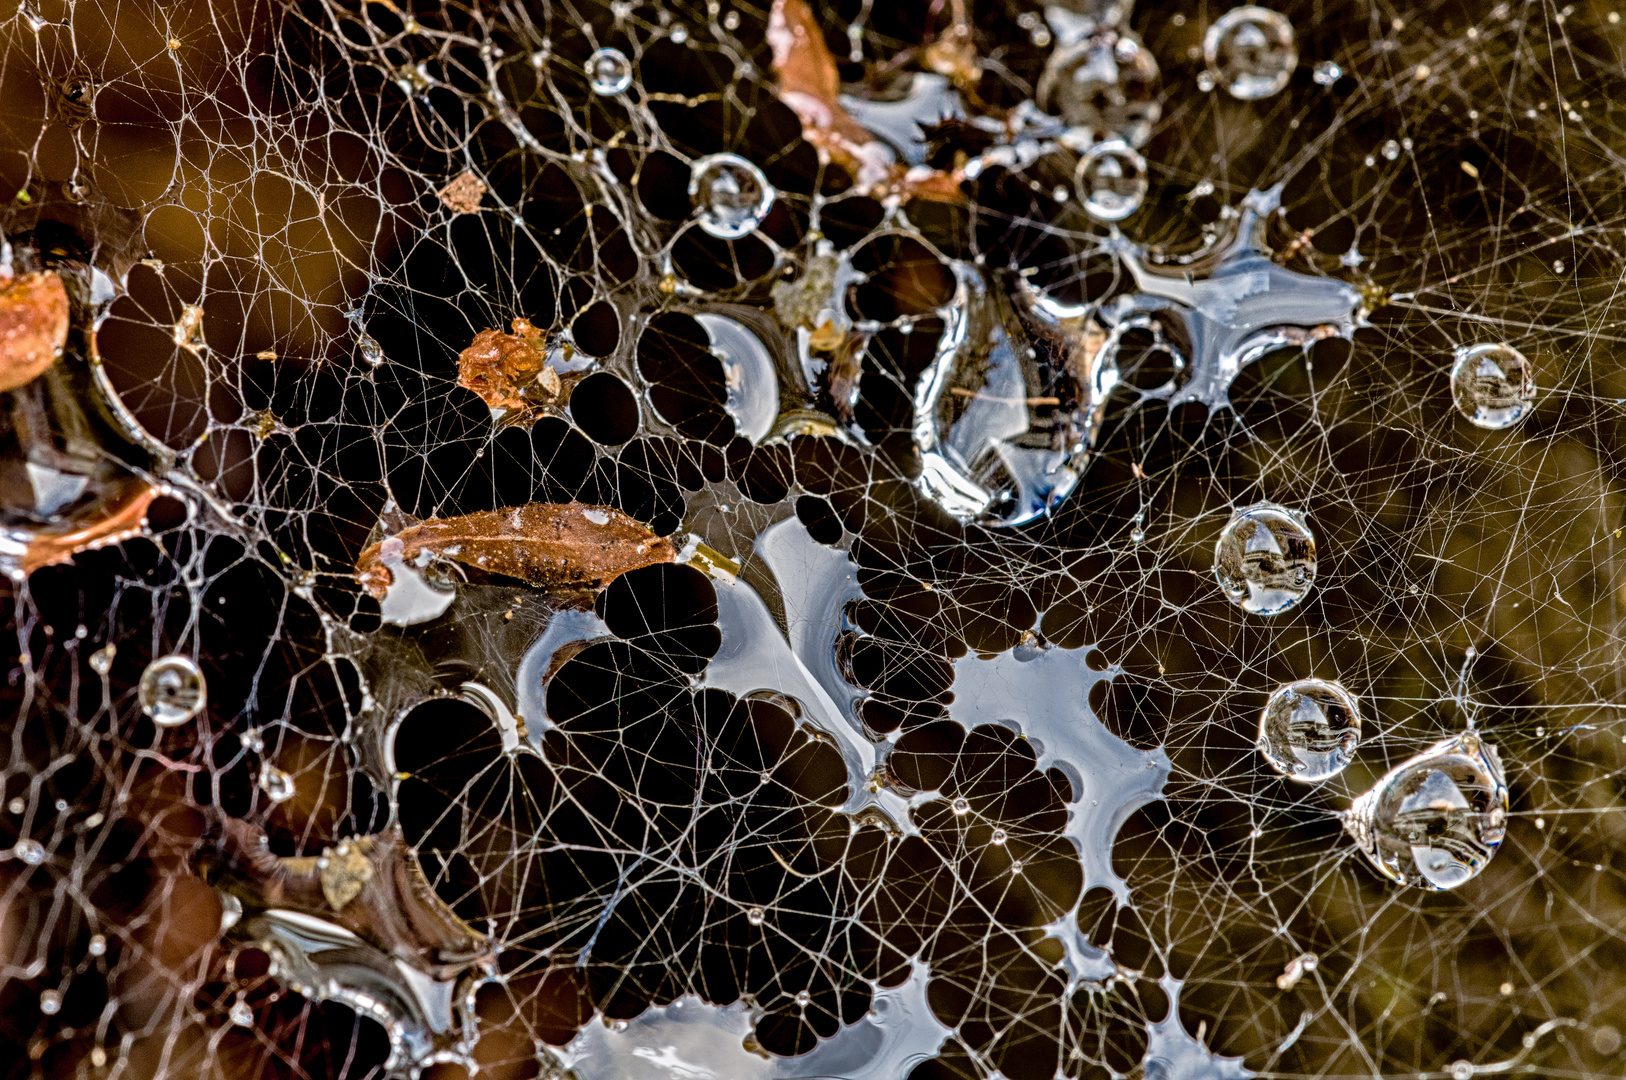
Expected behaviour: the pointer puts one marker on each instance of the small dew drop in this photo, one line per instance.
(97, 946)
(960, 806)
(1265, 559)
(1309, 729)
(803, 998)
(29, 850)
(101, 661)
(998, 838)
(754, 916)
(277, 785)
(242, 1015)
(1461, 1070)
(1390, 150)
(17, 805)
(730, 195)
(679, 34)
(1492, 385)
(609, 72)
(1111, 180)
(172, 691)
(370, 351)
(50, 1002)
(1326, 73)
(1251, 52)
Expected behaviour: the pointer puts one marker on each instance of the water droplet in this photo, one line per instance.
(1265, 559)
(609, 72)
(242, 1015)
(1106, 83)
(1111, 180)
(1390, 150)
(803, 997)
(277, 785)
(680, 34)
(50, 1002)
(1309, 729)
(1461, 1070)
(1326, 73)
(1137, 534)
(1434, 821)
(730, 195)
(101, 661)
(371, 352)
(731, 21)
(1251, 52)
(960, 806)
(1492, 385)
(97, 946)
(29, 851)
(17, 805)
(754, 916)
(172, 691)
(998, 838)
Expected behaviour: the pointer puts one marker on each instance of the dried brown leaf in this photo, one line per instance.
(562, 546)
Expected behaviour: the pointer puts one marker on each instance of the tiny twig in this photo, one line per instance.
(960, 391)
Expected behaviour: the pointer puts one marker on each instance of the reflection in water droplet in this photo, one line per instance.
(172, 691)
(1434, 821)
(1265, 559)
(730, 195)
(1111, 180)
(1106, 83)
(609, 72)
(1309, 729)
(277, 785)
(29, 851)
(1250, 52)
(1492, 385)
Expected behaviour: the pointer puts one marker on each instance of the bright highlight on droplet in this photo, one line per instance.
(1492, 385)
(1111, 180)
(609, 72)
(172, 691)
(1265, 559)
(1434, 821)
(1251, 52)
(730, 195)
(1309, 729)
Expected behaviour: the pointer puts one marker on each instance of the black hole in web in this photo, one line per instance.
(604, 408)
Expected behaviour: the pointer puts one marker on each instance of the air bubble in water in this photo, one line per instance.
(172, 691)
(609, 72)
(1326, 73)
(1492, 385)
(1434, 821)
(50, 1002)
(1309, 729)
(1111, 180)
(730, 195)
(1251, 52)
(1265, 559)
(1106, 83)
(277, 785)
(29, 851)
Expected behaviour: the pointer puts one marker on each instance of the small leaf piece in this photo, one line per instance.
(501, 367)
(565, 546)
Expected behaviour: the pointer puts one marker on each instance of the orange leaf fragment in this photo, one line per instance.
(33, 326)
(565, 546)
(501, 367)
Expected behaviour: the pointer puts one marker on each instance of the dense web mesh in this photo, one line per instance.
(902, 727)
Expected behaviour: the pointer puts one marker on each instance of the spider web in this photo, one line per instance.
(864, 783)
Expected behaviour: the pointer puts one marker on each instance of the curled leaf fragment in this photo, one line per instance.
(33, 326)
(563, 546)
(502, 368)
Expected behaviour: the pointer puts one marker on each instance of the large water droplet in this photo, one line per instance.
(1111, 180)
(172, 691)
(1251, 52)
(1492, 385)
(1106, 83)
(1265, 559)
(730, 195)
(277, 785)
(1435, 821)
(1309, 729)
(609, 72)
